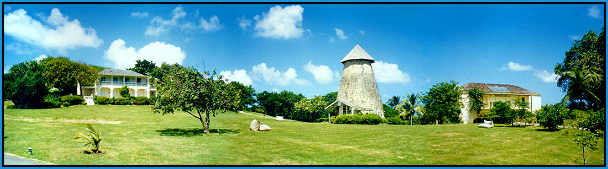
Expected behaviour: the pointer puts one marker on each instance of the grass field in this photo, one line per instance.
(135, 135)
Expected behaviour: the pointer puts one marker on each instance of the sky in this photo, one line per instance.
(277, 47)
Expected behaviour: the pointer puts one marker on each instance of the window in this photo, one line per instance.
(103, 78)
(498, 89)
(523, 99)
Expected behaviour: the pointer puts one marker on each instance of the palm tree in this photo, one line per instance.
(408, 106)
(577, 83)
(393, 101)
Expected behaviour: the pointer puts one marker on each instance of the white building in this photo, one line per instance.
(110, 81)
(497, 92)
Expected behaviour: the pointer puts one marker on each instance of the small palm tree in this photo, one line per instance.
(408, 106)
(393, 101)
(91, 139)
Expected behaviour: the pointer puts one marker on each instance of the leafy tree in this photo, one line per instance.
(475, 101)
(124, 92)
(330, 98)
(246, 96)
(393, 101)
(583, 134)
(441, 103)
(409, 105)
(521, 112)
(309, 110)
(389, 112)
(581, 74)
(144, 67)
(25, 86)
(502, 112)
(198, 94)
(551, 116)
(61, 73)
(278, 104)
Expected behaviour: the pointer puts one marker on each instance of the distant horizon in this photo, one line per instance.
(299, 47)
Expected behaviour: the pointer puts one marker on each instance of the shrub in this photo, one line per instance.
(551, 116)
(91, 139)
(309, 110)
(24, 84)
(53, 100)
(324, 119)
(141, 101)
(501, 112)
(259, 110)
(102, 100)
(396, 121)
(124, 92)
(357, 119)
(122, 101)
(389, 112)
(69, 100)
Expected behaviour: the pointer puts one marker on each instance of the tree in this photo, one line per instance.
(246, 96)
(521, 112)
(199, 95)
(393, 101)
(441, 103)
(124, 92)
(389, 112)
(330, 98)
(551, 116)
(144, 67)
(24, 85)
(475, 101)
(278, 104)
(63, 74)
(582, 133)
(501, 112)
(581, 74)
(409, 106)
(309, 110)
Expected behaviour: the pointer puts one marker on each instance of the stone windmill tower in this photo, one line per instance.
(358, 91)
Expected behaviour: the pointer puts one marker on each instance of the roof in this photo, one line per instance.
(119, 72)
(499, 89)
(357, 53)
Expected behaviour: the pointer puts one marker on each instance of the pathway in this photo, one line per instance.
(11, 159)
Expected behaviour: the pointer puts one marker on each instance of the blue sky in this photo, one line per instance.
(298, 47)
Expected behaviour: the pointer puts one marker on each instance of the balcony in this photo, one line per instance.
(120, 83)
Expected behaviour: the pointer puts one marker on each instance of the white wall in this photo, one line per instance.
(536, 103)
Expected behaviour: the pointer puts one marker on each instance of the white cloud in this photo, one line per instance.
(323, 74)
(280, 23)
(139, 14)
(19, 48)
(212, 25)
(389, 73)
(517, 67)
(340, 34)
(158, 52)
(594, 11)
(60, 34)
(238, 75)
(547, 77)
(244, 23)
(273, 76)
(575, 37)
(39, 58)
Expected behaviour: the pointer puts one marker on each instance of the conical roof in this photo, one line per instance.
(357, 53)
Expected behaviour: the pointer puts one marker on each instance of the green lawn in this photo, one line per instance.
(135, 135)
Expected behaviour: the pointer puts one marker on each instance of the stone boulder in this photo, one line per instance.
(255, 125)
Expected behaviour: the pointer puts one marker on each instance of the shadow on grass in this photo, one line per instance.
(194, 132)
(549, 130)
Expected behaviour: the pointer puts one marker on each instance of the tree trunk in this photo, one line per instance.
(584, 159)
(411, 123)
(207, 122)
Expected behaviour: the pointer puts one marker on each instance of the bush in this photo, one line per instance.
(259, 110)
(309, 110)
(396, 121)
(551, 116)
(501, 113)
(324, 119)
(389, 112)
(121, 101)
(356, 119)
(102, 100)
(24, 84)
(53, 100)
(69, 100)
(142, 101)
(124, 92)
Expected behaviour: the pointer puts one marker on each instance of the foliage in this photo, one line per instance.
(278, 104)
(330, 98)
(551, 116)
(246, 96)
(198, 94)
(53, 100)
(356, 119)
(101, 100)
(396, 121)
(64, 74)
(581, 74)
(475, 101)
(593, 121)
(92, 139)
(582, 134)
(389, 112)
(124, 92)
(72, 100)
(393, 101)
(144, 67)
(121, 101)
(141, 101)
(501, 112)
(441, 103)
(309, 110)
(24, 85)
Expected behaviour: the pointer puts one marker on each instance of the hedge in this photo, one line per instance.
(356, 119)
